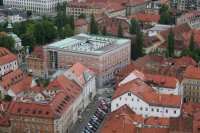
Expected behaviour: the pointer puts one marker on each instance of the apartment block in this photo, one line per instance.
(102, 54)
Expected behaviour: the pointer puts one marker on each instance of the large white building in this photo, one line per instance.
(39, 6)
(8, 61)
(103, 55)
(144, 101)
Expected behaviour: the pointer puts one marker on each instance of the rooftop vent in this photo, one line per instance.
(34, 111)
(26, 110)
(40, 112)
(19, 110)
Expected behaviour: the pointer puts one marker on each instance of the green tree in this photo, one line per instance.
(29, 13)
(93, 25)
(49, 31)
(71, 22)
(7, 42)
(83, 16)
(28, 39)
(66, 32)
(104, 31)
(39, 33)
(192, 43)
(7, 98)
(1, 2)
(139, 42)
(163, 8)
(120, 33)
(134, 26)
(189, 53)
(166, 18)
(170, 43)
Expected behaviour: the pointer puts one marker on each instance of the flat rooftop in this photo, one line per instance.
(88, 44)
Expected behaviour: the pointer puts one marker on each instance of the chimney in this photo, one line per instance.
(41, 85)
(160, 98)
(2, 107)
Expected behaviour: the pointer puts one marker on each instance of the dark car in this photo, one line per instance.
(95, 121)
(93, 124)
(100, 118)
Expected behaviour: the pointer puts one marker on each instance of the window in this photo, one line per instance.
(138, 100)
(140, 108)
(174, 111)
(117, 105)
(157, 110)
(126, 99)
(129, 94)
(152, 109)
(166, 111)
(132, 99)
(146, 109)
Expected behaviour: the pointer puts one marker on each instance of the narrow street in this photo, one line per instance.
(89, 111)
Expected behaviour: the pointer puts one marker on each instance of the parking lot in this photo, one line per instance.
(92, 123)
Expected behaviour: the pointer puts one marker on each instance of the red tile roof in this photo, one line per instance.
(146, 17)
(114, 7)
(135, 86)
(121, 121)
(157, 121)
(53, 110)
(161, 99)
(37, 53)
(11, 78)
(6, 56)
(68, 86)
(192, 73)
(148, 94)
(80, 22)
(185, 61)
(161, 80)
(100, 16)
(154, 130)
(24, 84)
(4, 116)
(79, 70)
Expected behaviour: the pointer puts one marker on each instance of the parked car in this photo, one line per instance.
(95, 121)
(93, 124)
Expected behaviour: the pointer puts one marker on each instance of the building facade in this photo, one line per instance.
(8, 61)
(84, 78)
(40, 6)
(35, 64)
(191, 82)
(88, 8)
(144, 101)
(103, 55)
(191, 18)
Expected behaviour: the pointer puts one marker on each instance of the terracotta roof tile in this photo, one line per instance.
(192, 72)
(70, 87)
(161, 80)
(146, 17)
(120, 121)
(157, 121)
(154, 130)
(135, 86)
(80, 22)
(6, 56)
(11, 78)
(24, 84)
(79, 70)
(37, 53)
(185, 61)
